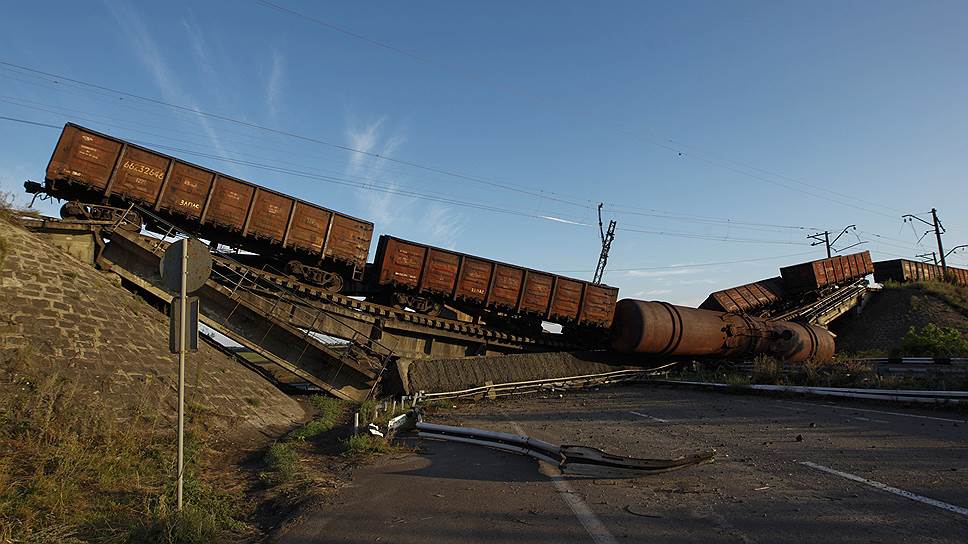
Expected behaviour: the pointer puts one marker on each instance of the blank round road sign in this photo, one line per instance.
(199, 265)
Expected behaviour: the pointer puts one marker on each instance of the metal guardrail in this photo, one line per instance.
(893, 395)
(533, 386)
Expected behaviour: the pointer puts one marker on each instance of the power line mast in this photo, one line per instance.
(607, 237)
(824, 238)
(938, 229)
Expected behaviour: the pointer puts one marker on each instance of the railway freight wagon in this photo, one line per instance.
(816, 275)
(795, 284)
(94, 172)
(747, 298)
(426, 276)
(903, 271)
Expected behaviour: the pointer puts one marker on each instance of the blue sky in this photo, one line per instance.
(779, 117)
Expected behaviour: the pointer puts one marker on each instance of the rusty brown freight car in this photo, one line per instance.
(903, 271)
(95, 168)
(815, 275)
(468, 281)
(746, 298)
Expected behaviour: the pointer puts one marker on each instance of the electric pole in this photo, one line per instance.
(938, 228)
(824, 238)
(607, 237)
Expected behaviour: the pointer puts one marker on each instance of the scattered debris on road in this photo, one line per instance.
(569, 459)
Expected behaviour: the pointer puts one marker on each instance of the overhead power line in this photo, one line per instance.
(693, 218)
(294, 135)
(668, 144)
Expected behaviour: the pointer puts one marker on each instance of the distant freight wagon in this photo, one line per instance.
(903, 271)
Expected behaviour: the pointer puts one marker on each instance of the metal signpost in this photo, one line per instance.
(185, 267)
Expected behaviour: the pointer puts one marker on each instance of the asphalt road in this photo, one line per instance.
(858, 473)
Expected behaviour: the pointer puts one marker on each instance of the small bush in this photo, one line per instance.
(935, 341)
(363, 444)
(329, 412)
(282, 459)
(766, 369)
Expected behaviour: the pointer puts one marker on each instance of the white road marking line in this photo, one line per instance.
(877, 411)
(593, 526)
(801, 410)
(647, 416)
(890, 489)
(869, 419)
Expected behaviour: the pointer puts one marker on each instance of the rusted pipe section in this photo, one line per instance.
(664, 329)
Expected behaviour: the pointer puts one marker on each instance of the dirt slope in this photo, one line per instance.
(888, 315)
(59, 315)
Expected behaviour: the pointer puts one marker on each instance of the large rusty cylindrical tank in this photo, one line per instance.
(664, 329)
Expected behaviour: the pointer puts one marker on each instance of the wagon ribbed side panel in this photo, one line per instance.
(505, 286)
(439, 272)
(349, 240)
(566, 299)
(598, 306)
(474, 279)
(537, 293)
(269, 216)
(399, 262)
(139, 175)
(308, 228)
(229, 202)
(186, 191)
(83, 157)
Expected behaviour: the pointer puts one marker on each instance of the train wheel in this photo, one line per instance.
(327, 281)
(73, 210)
(426, 306)
(332, 283)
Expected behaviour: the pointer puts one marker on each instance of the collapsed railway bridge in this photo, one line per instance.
(293, 287)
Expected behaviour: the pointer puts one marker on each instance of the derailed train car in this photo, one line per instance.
(794, 283)
(816, 275)
(90, 169)
(414, 272)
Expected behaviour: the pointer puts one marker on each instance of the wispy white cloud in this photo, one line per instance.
(443, 225)
(432, 222)
(663, 273)
(383, 205)
(652, 292)
(133, 28)
(277, 74)
(567, 221)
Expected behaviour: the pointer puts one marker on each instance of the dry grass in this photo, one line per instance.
(74, 470)
(954, 295)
